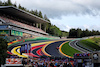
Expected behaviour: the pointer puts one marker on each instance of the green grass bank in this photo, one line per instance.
(68, 50)
(92, 44)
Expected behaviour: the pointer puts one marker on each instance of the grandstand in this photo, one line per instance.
(18, 23)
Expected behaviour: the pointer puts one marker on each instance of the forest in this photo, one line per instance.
(53, 30)
(78, 33)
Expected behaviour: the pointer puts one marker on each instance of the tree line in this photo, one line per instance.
(78, 33)
(51, 29)
(3, 50)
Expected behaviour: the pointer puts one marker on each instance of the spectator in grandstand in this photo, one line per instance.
(69, 64)
(23, 62)
(51, 64)
(83, 64)
(40, 64)
(65, 65)
(75, 63)
(47, 62)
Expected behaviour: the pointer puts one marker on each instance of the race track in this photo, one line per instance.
(36, 47)
(74, 45)
(51, 49)
(44, 48)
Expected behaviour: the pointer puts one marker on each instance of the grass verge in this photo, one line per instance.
(68, 50)
(90, 44)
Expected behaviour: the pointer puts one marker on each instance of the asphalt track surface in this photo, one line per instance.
(51, 49)
(74, 45)
(19, 44)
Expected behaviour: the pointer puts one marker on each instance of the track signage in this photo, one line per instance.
(3, 32)
(16, 33)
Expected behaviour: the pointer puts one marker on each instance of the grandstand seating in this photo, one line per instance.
(33, 31)
(12, 22)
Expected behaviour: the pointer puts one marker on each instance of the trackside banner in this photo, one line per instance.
(13, 61)
(16, 33)
(3, 32)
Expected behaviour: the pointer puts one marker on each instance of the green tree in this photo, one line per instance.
(46, 18)
(48, 27)
(79, 31)
(1, 3)
(32, 12)
(9, 3)
(15, 4)
(86, 32)
(40, 14)
(3, 50)
(73, 33)
(53, 30)
(64, 34)
(19, 6)
(36, 12)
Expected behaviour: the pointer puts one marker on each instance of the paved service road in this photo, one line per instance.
(51, 49)
(74, 45)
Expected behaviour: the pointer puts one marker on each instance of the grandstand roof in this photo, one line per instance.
(10, 10)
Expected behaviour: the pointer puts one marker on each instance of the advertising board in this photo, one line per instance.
(16, 33)
(3, 26)
(13, 61)
(3, 32)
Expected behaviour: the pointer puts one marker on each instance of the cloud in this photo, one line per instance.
(63, 27)
(95, 27)
(58, 8)
(67, 28)
(86, 26)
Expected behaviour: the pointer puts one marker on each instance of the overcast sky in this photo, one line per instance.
(67, 14)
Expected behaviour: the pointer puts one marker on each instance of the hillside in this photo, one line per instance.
(92, 44)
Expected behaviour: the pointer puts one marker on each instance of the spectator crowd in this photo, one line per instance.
(48, 62)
